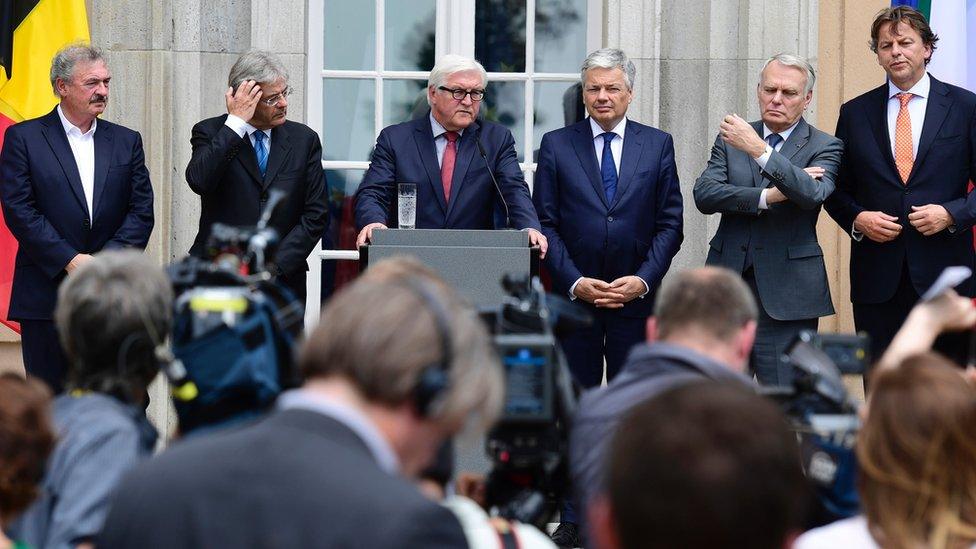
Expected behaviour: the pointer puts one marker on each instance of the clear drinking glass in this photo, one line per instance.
(406, 205)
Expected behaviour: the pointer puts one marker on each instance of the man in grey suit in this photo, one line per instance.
(768, 179)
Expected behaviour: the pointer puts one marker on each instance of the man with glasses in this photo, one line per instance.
(448, 154)
(240, 157)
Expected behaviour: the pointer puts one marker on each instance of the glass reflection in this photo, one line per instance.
(557, 104)
(504, 103)
(350, 35)
(499, 31)
(341, 232)
(560, 35)
(409, 34)
(347, 119)
(403, 100)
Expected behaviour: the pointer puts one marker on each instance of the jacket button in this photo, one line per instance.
(610, 219)
(264, 197)
(743, 248)
(87, 224)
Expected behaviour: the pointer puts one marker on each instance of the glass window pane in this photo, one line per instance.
(347, 119)
(499, 35)
(560, 35)
(341, 232)
(505, 103)
(403, 100)
(409, 34)
(350, 35)
(557, 104)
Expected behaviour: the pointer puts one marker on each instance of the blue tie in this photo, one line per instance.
(261, 150)
(774, 139)
(608, 170)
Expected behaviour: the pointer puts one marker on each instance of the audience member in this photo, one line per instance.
(948, 312)
(396, 365)
(917, 457)
(703, 465)
(703, 328)
(26, 440)
(110, 315)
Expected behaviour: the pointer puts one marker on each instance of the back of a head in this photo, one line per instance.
(393, 324)
(705, 465)
(26, 440)
(112, 313)
(917, 454)
(712, 300)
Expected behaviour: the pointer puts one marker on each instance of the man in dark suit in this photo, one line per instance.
(72, 186)
(396, 365)
(448, 155)
(909, 154)
(607, 194)
(240, 157)
(768, 179)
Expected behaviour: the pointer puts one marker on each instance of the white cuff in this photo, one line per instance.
(647, 288)
(856, 234)
(237, 124)
(764, 157)
(762, 200)
(572, 289)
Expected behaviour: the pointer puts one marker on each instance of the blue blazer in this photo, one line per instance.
(405, 153)
(868, 180)
(45, 208)
(638, 234)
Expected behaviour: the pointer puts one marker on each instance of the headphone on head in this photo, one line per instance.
(434, 378)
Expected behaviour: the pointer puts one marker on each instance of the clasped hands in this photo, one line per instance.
(738, 133)
(881, 227)
(609, 295)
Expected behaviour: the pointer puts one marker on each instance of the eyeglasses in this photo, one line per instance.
(276, 98)
(476, 95)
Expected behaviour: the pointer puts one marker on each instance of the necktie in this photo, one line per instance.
(774, 139)
(608, 170)
(447, 163)
(904, 156)
(261, 150)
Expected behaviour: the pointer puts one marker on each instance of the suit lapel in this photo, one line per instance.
(877, 116)
(466, 151)
(424, 138)
(103, 157)
(935, 114)
(583, 145)
(757, 180)
(58, 141)
(248, 158)
(629, 159)
(280, 150)
(798, 138)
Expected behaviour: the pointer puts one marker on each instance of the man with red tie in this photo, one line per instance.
(909, 154)
(448, 155)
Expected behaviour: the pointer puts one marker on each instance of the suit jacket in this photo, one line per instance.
(405, 153)
(782, 240)
(868, 180)
(224, 172)
(45, 208)
(296, 479)
(637, 234)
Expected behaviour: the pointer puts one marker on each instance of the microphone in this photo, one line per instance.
(484, 156)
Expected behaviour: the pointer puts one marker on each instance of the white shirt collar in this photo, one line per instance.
(618, 129)
(249, 129)
(437, 129)
(352, 418)
(71, 128)
(921, 88)
(785, 134)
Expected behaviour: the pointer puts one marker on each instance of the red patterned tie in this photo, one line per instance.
(447, 163)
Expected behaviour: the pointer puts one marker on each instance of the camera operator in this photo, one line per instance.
(396, 365)
(917, 456)
(703, 327)
(111, 315)
(26, 440)
(702, 465)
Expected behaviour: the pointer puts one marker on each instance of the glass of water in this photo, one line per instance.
(406, 205)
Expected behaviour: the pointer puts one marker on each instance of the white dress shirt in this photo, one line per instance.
(764, 157)
(440, 140)
(617, 150)
(83, 149)
(916, 110)
(241, 127)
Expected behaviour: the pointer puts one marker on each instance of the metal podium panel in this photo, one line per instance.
(454, 237)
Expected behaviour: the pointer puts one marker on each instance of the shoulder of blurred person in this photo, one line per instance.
(481, 533)
(851, 533)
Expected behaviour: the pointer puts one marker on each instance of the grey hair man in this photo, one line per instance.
(73, 185)
(466, 168)
(241, 157)
(703, 328)
(768, 180)
(396, 365)
(112, 314)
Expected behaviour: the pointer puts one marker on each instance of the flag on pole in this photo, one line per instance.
(31, 32)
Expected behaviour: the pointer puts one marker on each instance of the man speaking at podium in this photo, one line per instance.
(461, 165)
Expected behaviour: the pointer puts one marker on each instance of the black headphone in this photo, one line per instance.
(434, 379)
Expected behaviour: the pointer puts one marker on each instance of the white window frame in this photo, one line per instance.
(454, 33)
